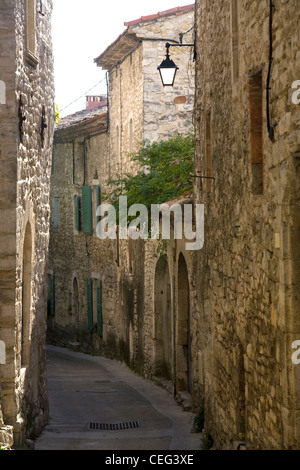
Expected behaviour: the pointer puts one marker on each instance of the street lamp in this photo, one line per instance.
(168, 68)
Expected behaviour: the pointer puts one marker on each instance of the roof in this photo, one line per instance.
(128, 39)
(82, 122)
(117, 50)
(171, 11)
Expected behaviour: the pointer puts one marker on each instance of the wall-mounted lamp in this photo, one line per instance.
(168, 68)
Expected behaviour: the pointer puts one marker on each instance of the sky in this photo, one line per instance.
(81, 31)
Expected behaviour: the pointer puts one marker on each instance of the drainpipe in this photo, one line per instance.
(270, 127)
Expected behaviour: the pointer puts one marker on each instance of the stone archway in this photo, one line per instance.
(183, 335)
(162, 320)
(26, 296)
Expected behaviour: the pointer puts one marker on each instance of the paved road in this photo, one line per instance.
(86, 389)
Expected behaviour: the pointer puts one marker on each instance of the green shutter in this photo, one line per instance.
(98, 192)
(52, 298)
(87, 213)
(77, 213)
(90, 303)
(99, 307)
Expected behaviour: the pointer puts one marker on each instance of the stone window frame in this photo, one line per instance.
(30, 33)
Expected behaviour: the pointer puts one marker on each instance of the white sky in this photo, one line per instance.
(81, 31)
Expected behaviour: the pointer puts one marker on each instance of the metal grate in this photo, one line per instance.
(114, 427)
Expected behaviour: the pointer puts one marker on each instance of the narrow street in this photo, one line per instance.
(87, 389)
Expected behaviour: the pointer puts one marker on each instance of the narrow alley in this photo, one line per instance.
(87, 389)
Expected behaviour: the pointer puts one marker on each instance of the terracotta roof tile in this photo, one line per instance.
(171, 11)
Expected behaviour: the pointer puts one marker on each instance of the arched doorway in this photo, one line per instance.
(26, 296)
(162, 320)
(183, 337)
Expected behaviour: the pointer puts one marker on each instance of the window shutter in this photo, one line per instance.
(77, 213)
(87, 209)
(99, 307)
(98, 193)
(90, 303)
(52, 298)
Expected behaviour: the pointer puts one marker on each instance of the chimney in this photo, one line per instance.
(93, 102)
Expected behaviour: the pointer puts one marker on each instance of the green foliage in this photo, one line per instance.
(4, 446)
(56, 114)
(164, 166)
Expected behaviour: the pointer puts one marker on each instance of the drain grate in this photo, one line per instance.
(115, 427)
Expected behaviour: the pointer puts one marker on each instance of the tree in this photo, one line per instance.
(164, 172)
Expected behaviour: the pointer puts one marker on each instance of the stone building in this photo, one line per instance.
(81, 274)
(247, 275)
(26, 127)
(140, 108)
(136, 317)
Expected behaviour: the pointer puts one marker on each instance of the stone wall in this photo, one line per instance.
(25, 176)
(140, 306)
(247, 271)
(80, 158)
(140, 108)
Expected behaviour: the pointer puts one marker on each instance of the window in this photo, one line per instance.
(256, 131)
(31, 32)
(56, 212)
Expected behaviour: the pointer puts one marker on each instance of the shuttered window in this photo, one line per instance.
(87, 216)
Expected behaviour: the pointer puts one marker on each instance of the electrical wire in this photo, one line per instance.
(81, 96)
